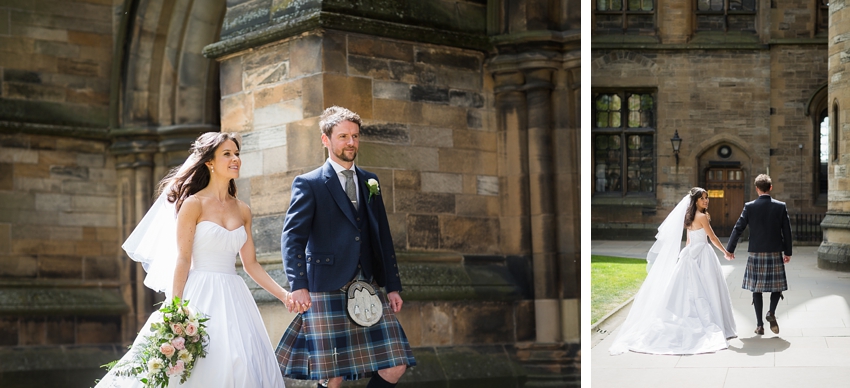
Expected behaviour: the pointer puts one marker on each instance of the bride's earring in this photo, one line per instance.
(212, 169)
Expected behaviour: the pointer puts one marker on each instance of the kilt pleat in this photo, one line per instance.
(765, 272)
(323, 342)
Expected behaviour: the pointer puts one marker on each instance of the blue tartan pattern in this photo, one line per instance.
(765, 272)
(324, 342)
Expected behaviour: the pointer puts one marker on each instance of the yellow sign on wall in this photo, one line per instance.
(715, 193)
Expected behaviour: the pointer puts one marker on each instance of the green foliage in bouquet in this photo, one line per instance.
(176, 342)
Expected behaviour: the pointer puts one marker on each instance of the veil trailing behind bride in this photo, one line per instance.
(683, 306)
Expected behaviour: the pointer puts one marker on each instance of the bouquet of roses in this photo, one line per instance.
(172, 348)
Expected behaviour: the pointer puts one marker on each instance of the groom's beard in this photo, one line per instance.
(342, 156)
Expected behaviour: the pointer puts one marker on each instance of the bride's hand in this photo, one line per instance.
(287, 300)
(301, 300)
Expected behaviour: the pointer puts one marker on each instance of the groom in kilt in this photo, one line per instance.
(770, 250)
(336, 232)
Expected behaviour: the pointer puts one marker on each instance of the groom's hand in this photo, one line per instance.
(301, 300)
(786, 259)
(730, 256)
(395, 301)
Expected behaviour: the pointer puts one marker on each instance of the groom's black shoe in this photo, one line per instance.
(760, 330)
(771, 318)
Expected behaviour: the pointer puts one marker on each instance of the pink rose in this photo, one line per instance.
(178, 343)
(176, 369)
(167, 349)
(191, 329)
(177, 328)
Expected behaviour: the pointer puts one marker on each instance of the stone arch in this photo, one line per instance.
(166, 81)
(817, 108)
(629, 57)
(704, 146)
(164, 93)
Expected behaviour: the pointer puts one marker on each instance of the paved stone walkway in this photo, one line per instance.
(812, 348)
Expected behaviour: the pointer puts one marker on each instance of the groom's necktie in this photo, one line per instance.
(350, 190)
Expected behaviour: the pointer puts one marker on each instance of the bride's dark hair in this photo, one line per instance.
(197, 176)
(695, 193)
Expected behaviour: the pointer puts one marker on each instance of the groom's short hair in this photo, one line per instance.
(763, 183)
(335, 115)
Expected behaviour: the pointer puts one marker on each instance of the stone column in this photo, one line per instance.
(566, 177)
(511, 119)
(547, 307)
(834, 251)
(134, 165)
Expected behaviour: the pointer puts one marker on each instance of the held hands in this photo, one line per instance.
(395, 301)
(786, 259)
(729, 256)
(299, 301)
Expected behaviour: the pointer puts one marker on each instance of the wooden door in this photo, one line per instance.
(725, 187)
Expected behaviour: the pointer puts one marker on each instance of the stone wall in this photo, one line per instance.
(751, 93)
(834, 252)
(59, 235)
(56, 64)
(58, 242)
(426, 132)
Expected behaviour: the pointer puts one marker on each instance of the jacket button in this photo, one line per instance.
(358, 219)
(299, 256)
(308, 258)
(328, 259)
(357, 239)
(302, 273)
(299, 264)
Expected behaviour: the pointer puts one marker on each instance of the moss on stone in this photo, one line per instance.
(61, 301)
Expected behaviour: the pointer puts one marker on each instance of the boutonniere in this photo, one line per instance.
(374, 188)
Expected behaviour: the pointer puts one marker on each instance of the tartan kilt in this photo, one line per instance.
(324, 342)
(765, 272)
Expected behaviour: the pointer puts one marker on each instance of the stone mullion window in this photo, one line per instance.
(623, 138)
(726, 15)
(621, 16)
(822, 17)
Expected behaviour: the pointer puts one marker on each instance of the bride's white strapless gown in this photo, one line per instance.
(693, 316)
(240, 353)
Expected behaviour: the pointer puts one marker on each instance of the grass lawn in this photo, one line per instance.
(613, 280)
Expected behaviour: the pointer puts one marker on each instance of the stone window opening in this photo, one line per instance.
(822, 22)
(625, 16)
(726, 15)
(822, 153)
(836, 134)
(623, 136)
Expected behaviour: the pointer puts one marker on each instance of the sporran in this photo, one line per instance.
(363, 305)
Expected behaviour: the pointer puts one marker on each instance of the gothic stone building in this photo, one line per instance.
(742, 83)
(470, 112)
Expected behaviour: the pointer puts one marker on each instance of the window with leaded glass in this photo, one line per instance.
(620, 16)
(624, 142)
(823, 17)
(726, 15)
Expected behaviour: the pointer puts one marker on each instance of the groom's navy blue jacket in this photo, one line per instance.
(326, 240)
(770, 228)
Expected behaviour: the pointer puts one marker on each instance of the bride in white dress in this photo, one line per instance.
(199, 265)
(683, 306)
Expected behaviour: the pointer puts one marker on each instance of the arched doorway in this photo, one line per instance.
(725, 170)
(725, 185)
